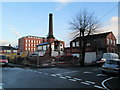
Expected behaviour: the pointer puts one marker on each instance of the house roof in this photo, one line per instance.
(99, 35)
(45, 43)
(7, 48)
(32, 37)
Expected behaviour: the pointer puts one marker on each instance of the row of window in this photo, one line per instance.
(45, 47)
(76, 44)
(111, 42)
(33, 41)
(30, 49)
(31, 45)
(15, 51)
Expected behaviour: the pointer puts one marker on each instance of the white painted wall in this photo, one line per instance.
(90, 56)
(42, 53)
(55, 53)
(52, 46)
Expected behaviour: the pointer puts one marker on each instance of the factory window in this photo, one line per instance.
(114, 42)
(73, 44)
(40, 48)
(88, 44)
(108, 41)
(34, 49)
(44, 47)
(111, 41)
(77, 44)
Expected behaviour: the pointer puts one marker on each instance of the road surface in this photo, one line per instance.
(80, 77)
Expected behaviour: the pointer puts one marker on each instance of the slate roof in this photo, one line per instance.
(99, 35)
(7, 48)
(45, 43)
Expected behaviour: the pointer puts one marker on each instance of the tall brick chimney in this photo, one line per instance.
(50, 36)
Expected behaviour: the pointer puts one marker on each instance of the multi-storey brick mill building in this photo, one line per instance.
(28, 43)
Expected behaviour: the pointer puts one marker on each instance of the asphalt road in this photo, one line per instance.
(81, 77)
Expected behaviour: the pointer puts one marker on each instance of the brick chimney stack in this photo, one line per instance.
(50, 33)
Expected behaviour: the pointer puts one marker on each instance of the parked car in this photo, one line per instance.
(110, 56)
(3, 60)
(99, 62)
(111, 66)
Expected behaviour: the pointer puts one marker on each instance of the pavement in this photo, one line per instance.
(14, 65)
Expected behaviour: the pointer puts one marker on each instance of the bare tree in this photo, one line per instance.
(83, 25)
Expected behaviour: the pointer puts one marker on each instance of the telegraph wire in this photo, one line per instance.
(108, 12)
(105, 6)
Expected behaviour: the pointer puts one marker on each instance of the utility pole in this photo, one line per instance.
(38, 60)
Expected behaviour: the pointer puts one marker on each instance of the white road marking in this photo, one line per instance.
(39, 72)
(78, 79)
(72, 80)
(53, 75)
(35, 71)
(1, 84)
(63, 77)
(87, 72)
(58, 74)
(97, 69)
(67, 72)
(90, 82)
(31, 70)
(67, 76)
(98, 86)
(103, 82)
(70, 72)
(85, 83)
(101, 75)
(6, 68)
(1, 87)
(46, 73)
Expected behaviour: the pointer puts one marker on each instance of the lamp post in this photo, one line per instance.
(38, 59)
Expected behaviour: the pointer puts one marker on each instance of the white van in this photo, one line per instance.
(110, 56)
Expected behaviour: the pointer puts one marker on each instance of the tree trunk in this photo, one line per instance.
(83, 56)
(83, 51)
(80, 49)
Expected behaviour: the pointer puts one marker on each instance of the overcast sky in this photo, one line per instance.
(31, 18)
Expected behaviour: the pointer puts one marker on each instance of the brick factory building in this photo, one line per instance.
(28, 43)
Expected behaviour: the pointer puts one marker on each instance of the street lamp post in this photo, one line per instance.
(38, 59)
